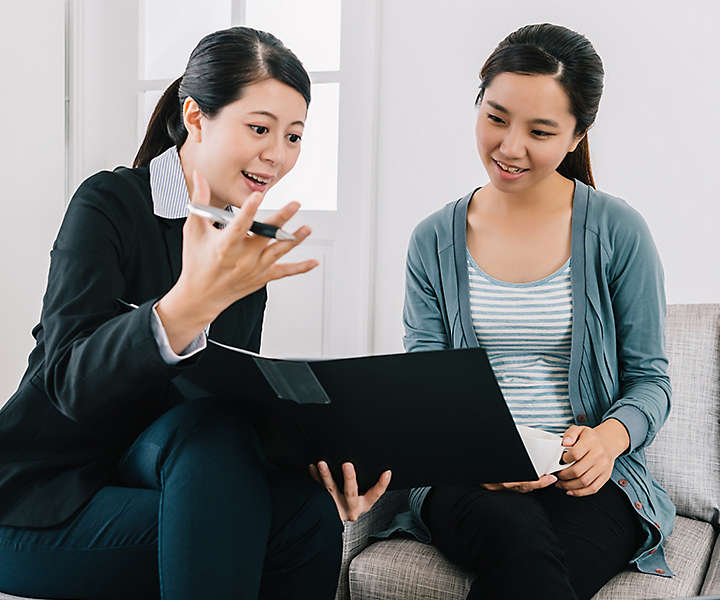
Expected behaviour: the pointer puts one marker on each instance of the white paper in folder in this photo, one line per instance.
(545, 449)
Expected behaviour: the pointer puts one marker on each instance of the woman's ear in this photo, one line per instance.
(192, 118)
(576, 142)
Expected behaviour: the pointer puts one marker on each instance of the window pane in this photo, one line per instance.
(311, 28)
(313, 181)
(173, 28)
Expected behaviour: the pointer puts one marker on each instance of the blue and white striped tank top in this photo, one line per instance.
(525, 330)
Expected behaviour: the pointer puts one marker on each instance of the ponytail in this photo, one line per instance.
(576, 165)
(165, 128)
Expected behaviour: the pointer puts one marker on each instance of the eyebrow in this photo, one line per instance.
(502, 109)
(273, 117)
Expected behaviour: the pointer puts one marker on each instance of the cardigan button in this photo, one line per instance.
(581, 418)
(623, 482)
(661, 571)
(638, 505)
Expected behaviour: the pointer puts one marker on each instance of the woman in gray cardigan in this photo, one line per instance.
(562, 285)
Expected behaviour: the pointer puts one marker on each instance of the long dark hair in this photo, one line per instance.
(547, 49)
(220, 66)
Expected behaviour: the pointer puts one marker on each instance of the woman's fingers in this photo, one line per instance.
(589, 483)
(572, 434)
(350, 489)
(273, 251)
(526, 486)
(267, 250)
(374, 493)
(240, 225)
(493, 487)
(286, 269)
(576, 452)
(283, 215)
(586, 474)
(592, 488)
(577, 469)
(514, 486)
(327, 479)
(545, 481)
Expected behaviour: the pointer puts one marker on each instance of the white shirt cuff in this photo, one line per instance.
(199, 343)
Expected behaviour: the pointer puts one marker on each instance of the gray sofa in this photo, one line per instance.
(685, 459)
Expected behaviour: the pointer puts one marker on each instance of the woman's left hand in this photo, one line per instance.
(349, 504)
(593, 451)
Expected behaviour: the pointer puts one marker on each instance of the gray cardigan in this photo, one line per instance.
(618, 366)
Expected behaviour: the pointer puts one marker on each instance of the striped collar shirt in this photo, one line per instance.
(167, 185)
(168, 189)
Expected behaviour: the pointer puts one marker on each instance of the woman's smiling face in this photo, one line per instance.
(524, 130)
(251, 143)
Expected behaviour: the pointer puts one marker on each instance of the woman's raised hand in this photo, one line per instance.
(350, 505)
(220, 266)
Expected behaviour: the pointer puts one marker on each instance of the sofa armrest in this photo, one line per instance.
(355, 537)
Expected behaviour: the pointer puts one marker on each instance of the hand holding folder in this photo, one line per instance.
(431, 417)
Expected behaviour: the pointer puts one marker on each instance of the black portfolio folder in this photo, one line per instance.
(431, 417)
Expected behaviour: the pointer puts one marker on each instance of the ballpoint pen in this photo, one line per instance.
(224, 217)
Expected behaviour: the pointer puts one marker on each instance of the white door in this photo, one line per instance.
(123, 54)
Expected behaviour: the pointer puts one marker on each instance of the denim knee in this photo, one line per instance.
(216, 438)
(201, 432)
(323, 512)
(318, 525)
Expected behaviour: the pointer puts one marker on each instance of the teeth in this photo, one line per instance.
(255, 177)
(508, 169)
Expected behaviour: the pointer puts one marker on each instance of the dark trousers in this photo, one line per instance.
(195, 513)
(544, 544)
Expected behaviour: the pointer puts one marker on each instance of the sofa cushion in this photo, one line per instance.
(685, 456)
(402, 568)
(688, 551)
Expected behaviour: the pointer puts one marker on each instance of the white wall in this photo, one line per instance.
(32, 165)
(654, 143)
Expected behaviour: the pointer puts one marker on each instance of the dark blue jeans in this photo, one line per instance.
(195, 512)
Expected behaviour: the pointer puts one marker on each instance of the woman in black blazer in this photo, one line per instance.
(115, 482)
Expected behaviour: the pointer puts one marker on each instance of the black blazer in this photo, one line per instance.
(95, 379)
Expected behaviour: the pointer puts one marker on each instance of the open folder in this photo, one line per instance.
(431, 417)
